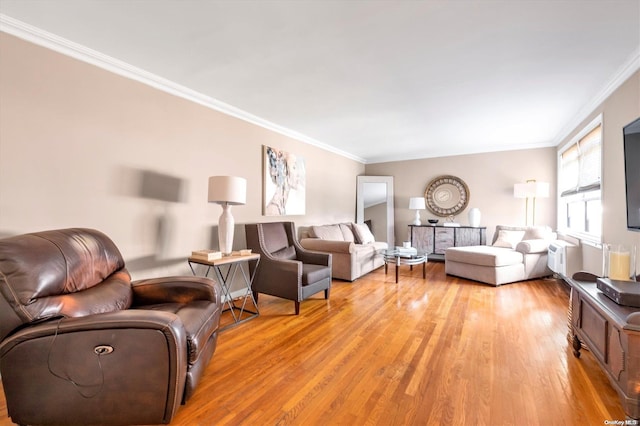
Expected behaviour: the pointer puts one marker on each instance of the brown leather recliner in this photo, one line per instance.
(82, 344)
(286, 269)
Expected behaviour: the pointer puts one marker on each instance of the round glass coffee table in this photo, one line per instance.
(404, 257)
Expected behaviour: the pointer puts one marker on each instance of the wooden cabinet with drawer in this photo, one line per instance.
(435, 239)
(612, 333)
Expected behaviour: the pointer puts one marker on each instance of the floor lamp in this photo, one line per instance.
(227, 191)
(532, 189)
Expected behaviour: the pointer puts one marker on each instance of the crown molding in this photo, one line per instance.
(66, 47)
(630, 66)
(439, 152)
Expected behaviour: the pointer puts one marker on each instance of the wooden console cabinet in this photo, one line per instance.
(434, 240)
(612, 333)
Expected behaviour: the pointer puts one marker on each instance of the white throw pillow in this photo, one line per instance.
(347, 232)
(508, 239)
(537, 233)
(363, 234)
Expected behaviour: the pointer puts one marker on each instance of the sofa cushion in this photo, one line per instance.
(537, 233)
(531, 232)
(508, 239)
(347, 232)
(327, 246)
(484, 255)
(327, 232)
(380, 245)
(363, 234)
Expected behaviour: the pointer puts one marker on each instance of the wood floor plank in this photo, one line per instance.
(420, 352)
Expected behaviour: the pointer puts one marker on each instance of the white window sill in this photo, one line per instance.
(586, 239)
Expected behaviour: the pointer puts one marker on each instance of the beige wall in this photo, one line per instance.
(75, 139)
(490, 178)
(618, 110)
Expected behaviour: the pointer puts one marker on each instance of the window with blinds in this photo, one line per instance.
(579, 181)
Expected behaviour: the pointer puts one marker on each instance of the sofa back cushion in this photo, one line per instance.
(508, 238)
(538, 233)
(347, 232)
(530, 232)
(327, 232)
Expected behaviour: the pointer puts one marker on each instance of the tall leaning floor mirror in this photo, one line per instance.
(374, 206)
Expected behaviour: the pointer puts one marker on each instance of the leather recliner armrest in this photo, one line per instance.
(181, 289)
(166, 322)
(129, 358)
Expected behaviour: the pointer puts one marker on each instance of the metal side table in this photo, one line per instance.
(225, 270)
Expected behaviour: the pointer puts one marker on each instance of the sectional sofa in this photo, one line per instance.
(352, 246)
(516, 254)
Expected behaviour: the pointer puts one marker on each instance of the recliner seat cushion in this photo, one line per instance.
(200, 320)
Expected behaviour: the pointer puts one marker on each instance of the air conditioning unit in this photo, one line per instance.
(564, 258)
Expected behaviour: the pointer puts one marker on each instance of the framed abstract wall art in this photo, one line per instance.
(283, 183)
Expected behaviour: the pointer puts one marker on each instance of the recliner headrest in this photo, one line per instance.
(66, 272)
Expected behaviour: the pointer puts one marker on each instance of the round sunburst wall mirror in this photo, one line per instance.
(446, 195)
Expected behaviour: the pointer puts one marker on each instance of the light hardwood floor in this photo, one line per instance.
(436, 351)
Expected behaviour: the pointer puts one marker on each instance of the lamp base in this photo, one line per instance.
(417, 221)
(226, 227)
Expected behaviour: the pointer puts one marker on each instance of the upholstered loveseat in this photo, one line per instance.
(352, 246)
(516, 254)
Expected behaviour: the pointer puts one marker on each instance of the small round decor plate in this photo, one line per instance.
(446, 195)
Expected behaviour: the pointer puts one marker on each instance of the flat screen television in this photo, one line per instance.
(631, 134)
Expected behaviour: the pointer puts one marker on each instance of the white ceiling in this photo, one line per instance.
(374, 80)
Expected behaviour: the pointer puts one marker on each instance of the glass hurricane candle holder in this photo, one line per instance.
(619, 262)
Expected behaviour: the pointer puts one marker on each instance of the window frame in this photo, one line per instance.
(563, 201)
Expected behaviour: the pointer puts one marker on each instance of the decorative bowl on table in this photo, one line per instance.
(432, 221)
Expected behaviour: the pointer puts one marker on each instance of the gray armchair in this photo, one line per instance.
(286, 269)
(82, 344)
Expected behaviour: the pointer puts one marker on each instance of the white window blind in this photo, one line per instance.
(579, 181)
(580, 164)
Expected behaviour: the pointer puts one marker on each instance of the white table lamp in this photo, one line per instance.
(417, 204)
(227, 191)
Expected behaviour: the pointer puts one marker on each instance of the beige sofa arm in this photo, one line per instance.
(328, 246)
(533, 246)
